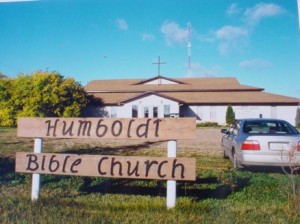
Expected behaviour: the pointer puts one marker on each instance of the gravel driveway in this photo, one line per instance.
(207, 141)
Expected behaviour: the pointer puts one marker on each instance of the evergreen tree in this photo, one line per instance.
(298, 117)
(230, 115)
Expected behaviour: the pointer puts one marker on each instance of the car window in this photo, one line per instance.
(268, 127)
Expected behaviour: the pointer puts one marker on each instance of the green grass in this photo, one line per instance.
(219, 195)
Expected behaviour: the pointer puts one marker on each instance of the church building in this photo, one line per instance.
(206, 99)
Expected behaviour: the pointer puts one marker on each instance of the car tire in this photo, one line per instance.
(224, 155)
(236, 163)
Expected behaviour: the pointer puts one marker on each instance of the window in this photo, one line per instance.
(146, 112)
(155, 111)
(236, 127)
(268, 127)
(134, 111)
(166, 110)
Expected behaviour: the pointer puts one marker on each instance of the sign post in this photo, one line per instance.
(171, 184)
(36, 177)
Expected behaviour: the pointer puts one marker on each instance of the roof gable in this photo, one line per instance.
(145, 94)
(159, 80)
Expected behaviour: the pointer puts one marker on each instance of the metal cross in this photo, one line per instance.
(158, 63)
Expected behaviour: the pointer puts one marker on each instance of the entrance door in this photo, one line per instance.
(151, 111)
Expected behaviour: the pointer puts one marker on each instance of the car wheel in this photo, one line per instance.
(236, 163)
(224, 155)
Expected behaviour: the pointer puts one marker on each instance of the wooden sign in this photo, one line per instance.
(108, 128)
(107, 166)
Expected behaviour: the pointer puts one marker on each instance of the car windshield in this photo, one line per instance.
(269, 127)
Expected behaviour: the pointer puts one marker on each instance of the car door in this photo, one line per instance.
(226, 141)
(230, 138)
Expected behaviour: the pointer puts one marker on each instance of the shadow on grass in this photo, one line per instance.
(113, 150)
(202, 188)
(213, 188)
(7, 165)
(16, 142)
(7, 172)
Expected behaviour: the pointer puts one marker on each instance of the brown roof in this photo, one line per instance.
(197, 91)
(186, 84)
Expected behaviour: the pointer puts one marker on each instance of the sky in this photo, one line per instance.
(258, 42)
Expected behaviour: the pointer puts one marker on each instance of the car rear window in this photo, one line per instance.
(268, 127)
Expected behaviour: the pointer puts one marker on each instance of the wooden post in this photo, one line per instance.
(171, 184)
(36, 178)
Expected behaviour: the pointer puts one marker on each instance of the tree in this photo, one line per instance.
(2, 76)
(6, 115)
(41, 94)
(230, 115)
(298, 117)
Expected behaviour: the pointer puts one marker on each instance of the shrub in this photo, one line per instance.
(298, 118)
(208, 124)
(230, 115)
(41, 94)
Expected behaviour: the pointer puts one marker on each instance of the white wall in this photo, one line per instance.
(160, 81)
(125, 111)
(218, 113)
(205, 113)
(287, 113)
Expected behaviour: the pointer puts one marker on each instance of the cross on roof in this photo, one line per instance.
(158, 63)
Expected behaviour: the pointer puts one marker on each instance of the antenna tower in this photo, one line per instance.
(189, 46)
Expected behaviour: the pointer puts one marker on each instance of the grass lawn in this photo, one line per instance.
(219, 195)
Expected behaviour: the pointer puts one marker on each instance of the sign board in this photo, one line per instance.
(108, 128)
(170, 169)
(158, 168)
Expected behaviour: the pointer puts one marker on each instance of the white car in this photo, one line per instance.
(261, 142)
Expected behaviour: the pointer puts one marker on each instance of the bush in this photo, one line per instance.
(208, 125)
(41, 94)
(230, 115)
(298, 118)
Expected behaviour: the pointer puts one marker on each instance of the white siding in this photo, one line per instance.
(213, 114)
(287, 113)
(273, 112)
(150, 102)
(160, 81)
(202, 113)
(218, 113)
(246, 111)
